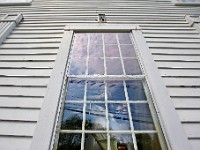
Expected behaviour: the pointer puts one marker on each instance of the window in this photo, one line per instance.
(15, 2)
(107, 105)
(187, 2)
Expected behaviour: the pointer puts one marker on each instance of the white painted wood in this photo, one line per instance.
(195, 143)
(26, 72)
(179, 91)
(178, 64)
(172, 127)
(176, 57)
(186, 103)
(21, 102)
(22, 46)
(192, 129)
(27, 57)
(17, 128)
(189, 115)
(180, 72)
(25, 41)
(176, 81)
(13, 143)
(19, 114)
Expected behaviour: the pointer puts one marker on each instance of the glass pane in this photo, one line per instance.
(127, 51)
(112, 51)
(115, 90)
(135, 90)
(95, 141)
(78, 66)
(147, 141)
(79, 50)
(72, 116)
(121, 142)
(132, 66)
(96, 51)
(95, 91)
(114, 66)
(75, 89)
(81, 39)
(96, 66)
(69, 141)
(124, 38)
(110, 38)
(118, 117)
(142, 119)
(95, 117)
(96, 38)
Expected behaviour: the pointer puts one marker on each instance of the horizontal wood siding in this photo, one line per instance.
(27, 57)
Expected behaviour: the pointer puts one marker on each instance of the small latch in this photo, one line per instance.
(101, 18)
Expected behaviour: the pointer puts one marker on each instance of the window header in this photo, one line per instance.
(15, 2)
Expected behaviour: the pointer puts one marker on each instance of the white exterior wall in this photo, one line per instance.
(27, 58)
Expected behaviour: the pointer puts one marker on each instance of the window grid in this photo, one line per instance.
(106, 77)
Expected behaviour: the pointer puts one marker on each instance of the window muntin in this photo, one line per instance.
(106, 108)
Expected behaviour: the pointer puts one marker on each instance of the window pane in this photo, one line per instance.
(127, 51)
(79, 50)
(78, 66)
(118, 117)
(124, 38)
(95, 91)
(96, 38)
(115, 90)
(135, 90)
(110, 38)
(121, 142)
(96, 66)
(132, 66)
(114, 66)
(112, 51)
(69, 141)
(147, 141)
(95, 141)
(142, 119)
(72, 116)
(75, 89)
(96, 51)
(81, 39)
(95, 117)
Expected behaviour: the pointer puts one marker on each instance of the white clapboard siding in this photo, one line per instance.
(17, 128)
(27, 57)
(21, 102)
(13, 143)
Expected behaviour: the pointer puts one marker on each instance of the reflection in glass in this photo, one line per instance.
(114, 66)
(148, 141)
(95, 141)
(96, 38)
(118, 117)
(135, 90)
(96, 51)
(124, 38)
(95, 90)
(110, 38)
(112, 51)
(78, 66)
(81, 38)
(79, 50)
(95, 66)
(121, 142)
(95, 117)
(75, 90)
(142, 119)
(115, 90)
(127, 51)
(72, 116)
(132, 66)
(69, 141)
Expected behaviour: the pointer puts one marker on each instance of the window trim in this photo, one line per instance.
(171, 125)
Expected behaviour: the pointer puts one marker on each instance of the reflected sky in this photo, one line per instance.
(118, 117)
(72, 116)
(75, 90)
(114, 66)
(79, 50)
(110, 38)
(132, 66)
(127, 51)
(124, 38)
(78, 66)
(95, 51)
(95, 91)
(96, 66)
(112, 51)
(141, 116)
(95, 117)
(81, 38)
(135, 90)
(96, 38)
(115, 90)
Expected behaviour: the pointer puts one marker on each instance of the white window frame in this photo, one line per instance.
(170, 123)
(15, 2)
(189, 3)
